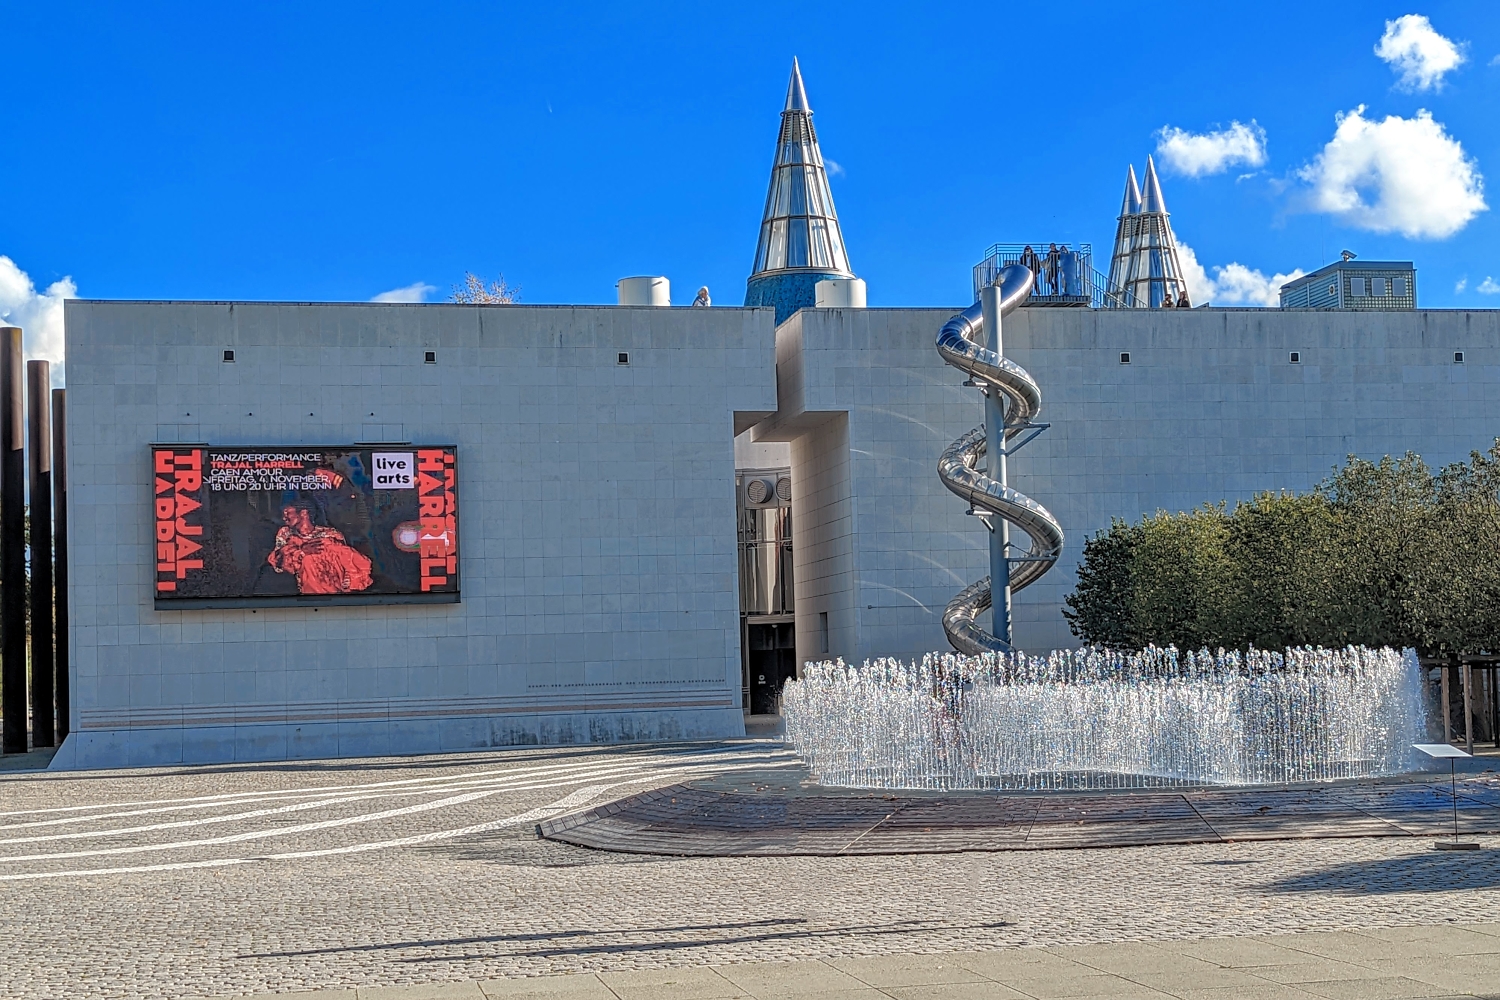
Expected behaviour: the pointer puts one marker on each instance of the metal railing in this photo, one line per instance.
(1063, 274)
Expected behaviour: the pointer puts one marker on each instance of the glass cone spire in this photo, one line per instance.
(800, 240)
(1144, 270)
(1130, 208)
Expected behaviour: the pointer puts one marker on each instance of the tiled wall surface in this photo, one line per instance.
(598, 530)
(823, 523)
(1210, 407)
(600, 600)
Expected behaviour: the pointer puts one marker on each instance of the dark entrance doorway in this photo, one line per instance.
(770, 661)
(767, 634)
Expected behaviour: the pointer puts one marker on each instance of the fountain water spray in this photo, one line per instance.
(1097, 718)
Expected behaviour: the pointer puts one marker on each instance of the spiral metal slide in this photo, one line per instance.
(959, 344)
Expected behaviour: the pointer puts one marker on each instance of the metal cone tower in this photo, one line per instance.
(1130, 210)
(1145, 271)
(800, 240)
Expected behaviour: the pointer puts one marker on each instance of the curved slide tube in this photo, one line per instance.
(959, 344)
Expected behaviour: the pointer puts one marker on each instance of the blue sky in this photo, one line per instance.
(334, 152)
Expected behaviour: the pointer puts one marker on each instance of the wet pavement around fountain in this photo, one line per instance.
(784, 812)
(424, 877)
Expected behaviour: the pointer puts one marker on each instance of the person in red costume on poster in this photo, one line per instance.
(320, 558)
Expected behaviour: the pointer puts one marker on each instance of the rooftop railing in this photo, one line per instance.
(1063, 274)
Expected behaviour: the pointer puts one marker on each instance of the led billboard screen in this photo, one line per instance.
(289, 526)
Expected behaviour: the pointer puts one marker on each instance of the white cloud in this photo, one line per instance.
(417, 291)
(1420, 182)
(1233, 284)
(1201, 153)
(835, 168)
(1460, 285)
(39, 314)
(1417, 52)
(1488, 287)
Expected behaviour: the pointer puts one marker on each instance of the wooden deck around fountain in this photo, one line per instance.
(776, 813)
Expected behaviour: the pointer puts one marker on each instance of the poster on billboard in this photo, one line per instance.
(256, 526)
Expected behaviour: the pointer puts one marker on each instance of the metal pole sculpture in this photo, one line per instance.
(1012, 400)
(12, 541)
(39, 479)
(60, 550)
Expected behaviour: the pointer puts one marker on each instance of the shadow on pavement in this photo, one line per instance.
(637, 939)
(1438, 871)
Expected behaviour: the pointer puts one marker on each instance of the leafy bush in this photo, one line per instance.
(1381, 553)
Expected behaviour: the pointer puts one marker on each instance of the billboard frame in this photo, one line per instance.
(314, 601)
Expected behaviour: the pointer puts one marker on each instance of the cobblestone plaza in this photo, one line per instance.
(234, 880)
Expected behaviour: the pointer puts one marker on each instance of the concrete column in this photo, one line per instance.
(13, 540)
(39, 482)
(994, 443)
(60, 559)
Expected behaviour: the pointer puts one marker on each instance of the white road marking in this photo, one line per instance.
(563, 804)
(327, 824)
(208, 801)
(668, 758)
(491, 783)
(603, 770)
(210, 820)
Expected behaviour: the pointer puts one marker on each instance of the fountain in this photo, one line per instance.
(989, 716)
(1097, 718)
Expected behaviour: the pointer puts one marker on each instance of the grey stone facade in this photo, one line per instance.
(1209, 407)
(600, 599)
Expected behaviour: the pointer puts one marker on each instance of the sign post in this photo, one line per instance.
(1438, 751)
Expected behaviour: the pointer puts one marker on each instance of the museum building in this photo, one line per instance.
(311, 530)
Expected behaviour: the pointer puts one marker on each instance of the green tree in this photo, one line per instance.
(1100, 608)
(1380, 553)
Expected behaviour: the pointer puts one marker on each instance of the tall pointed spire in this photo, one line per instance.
(1132, 201)
(1151, 199)
(1130, 208)
(800, 239)
(1145, 270)
(796, 93)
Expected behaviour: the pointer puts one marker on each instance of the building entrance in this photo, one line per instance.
(770, 661)
(768, 655)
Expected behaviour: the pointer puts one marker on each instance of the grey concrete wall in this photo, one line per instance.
(827, 623)
(600, 599)
(1209, 408)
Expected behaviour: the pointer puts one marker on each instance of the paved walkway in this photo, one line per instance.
(1449, 962)
(426, 872)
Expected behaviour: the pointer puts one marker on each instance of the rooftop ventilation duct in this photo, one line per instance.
(646, 290)
(833, 293)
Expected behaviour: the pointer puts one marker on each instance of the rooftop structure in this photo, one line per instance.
(1130, 207)
(800, 240)
(1354, 284)
(1144, 270)
(1064, 274)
